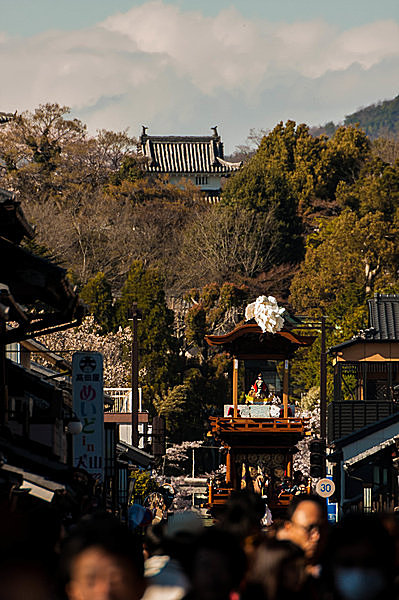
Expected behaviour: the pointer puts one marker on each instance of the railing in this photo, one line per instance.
(228, 424)
(122, 399)
(218, 495)
(346, 417)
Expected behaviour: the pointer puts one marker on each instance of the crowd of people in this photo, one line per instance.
(235, 558)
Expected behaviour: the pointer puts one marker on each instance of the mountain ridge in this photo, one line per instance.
(380, 119)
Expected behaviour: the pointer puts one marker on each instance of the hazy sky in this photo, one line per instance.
(182, 66)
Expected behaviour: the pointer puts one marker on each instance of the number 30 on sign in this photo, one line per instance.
(325, 488)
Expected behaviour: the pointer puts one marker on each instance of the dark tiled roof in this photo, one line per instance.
(5, 117)
(135, 455)
(171, 154)
(383, 322)
(384, 316)
(31, 278)
(13, 224)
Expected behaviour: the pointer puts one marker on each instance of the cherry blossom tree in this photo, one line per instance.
(115, 348)
(310, 410)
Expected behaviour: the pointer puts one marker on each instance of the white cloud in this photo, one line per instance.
(181, 72)
(371, 43)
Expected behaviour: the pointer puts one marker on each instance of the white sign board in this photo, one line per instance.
(325, 487)
(88, 404)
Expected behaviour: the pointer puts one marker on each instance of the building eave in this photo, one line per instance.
(371, 452)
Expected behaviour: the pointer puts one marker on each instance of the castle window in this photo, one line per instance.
(201, 180)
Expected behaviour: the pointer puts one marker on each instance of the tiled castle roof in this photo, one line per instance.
(188, 154)
(5, 117)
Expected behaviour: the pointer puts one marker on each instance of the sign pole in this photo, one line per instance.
(325, 487)
(323, 380)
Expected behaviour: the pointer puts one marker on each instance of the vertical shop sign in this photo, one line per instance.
(88, 405)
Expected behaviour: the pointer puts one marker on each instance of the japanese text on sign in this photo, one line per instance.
(88, 405)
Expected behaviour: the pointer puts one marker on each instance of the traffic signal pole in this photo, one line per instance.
(317, 449)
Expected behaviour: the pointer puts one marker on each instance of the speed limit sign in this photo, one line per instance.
(325, 487)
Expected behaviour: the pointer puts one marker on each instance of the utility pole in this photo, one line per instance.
(3, 371)
(323, 381)
(135, 376)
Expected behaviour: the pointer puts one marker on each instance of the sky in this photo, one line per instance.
(181, 67)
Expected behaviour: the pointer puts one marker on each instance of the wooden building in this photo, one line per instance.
(365, 467)
(366, 371)
(363, 418)
(198, 159)
(35, 407)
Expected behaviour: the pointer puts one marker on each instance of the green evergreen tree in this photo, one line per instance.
(131, 170)
(157, 346)
(212, 307)
(188, 405)
(296, 175)
(203, 388)
(341, 160)
(263, 185)
(97, 294)
(375, 189)
(347, 259)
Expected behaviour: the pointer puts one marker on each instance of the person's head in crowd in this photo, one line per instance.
(102, 560)
(217, 565)
(306, 525)
(277, 571)
(153, 543)
(243, 514)
(183, 524)
(359, 559)
(180, 532)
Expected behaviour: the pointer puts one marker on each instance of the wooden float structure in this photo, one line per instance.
(258, 445)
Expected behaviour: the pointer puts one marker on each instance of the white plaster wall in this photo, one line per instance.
(125, 434)
(214, 181)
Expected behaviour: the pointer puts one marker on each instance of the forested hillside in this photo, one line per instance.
(311, 220)
(377, 120)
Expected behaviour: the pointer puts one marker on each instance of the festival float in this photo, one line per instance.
(261, 432)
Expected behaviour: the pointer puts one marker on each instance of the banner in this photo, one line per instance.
(88, 405)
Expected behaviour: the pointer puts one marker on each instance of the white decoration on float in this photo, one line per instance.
(266, 313)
